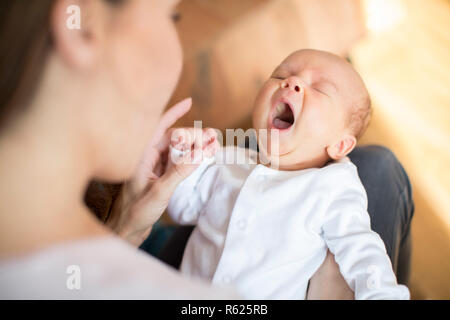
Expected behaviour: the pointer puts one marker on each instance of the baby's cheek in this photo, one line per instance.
(262, 105)
(258, 122)
(283, 147)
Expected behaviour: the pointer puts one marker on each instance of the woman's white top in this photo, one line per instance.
(267, 231)
(98, 268)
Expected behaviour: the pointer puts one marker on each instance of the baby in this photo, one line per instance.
(266, 230)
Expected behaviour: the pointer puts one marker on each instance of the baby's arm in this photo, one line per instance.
(190, 147)
(359, 251)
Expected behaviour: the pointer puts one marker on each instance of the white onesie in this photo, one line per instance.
(267, 231)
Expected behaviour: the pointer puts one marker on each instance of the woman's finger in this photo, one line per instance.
(163, 188)
(170, 117)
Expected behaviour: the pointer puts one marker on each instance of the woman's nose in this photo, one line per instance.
(293, 83)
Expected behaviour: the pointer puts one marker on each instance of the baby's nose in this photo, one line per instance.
(293, 83)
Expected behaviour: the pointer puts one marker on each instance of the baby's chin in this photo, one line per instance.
(272, 149)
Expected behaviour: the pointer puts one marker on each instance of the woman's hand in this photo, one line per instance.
(144, 198)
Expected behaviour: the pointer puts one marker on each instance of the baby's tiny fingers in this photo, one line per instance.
(210, 150)
(209, 134)
(180, 139)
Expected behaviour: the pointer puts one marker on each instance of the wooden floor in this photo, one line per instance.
(407, 71)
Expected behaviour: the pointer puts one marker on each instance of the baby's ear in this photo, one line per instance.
(342, 147)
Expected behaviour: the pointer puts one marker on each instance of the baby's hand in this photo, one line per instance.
(189, 146)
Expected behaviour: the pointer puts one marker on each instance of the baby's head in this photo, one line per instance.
(318, 104)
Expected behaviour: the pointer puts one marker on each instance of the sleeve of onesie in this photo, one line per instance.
(359, 251)
(186, 203)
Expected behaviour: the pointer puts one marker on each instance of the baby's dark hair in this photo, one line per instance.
(360, 116)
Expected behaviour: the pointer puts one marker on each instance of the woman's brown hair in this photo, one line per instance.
(24, 46)
(25, 43)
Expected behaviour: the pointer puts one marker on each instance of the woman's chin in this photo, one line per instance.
(117, 171)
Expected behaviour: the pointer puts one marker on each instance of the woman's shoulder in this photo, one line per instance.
(98, 268)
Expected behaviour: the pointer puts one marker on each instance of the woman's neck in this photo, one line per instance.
(44, 174)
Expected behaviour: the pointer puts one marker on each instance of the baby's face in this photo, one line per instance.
(308, 100)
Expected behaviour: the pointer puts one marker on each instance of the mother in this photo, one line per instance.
(83, 104)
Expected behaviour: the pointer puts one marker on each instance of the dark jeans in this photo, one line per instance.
(391, 209)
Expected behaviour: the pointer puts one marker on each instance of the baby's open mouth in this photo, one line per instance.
(283, 117)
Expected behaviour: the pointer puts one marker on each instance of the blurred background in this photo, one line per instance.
(401, 49)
